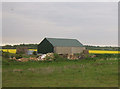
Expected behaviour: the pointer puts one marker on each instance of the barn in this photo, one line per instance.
(60, 46)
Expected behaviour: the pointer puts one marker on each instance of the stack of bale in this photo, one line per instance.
(48, 56)
(23, 59)
(72, 57)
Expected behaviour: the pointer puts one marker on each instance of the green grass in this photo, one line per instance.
(0, 72)
(84, 73)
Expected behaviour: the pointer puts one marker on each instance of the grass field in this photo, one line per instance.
(0, 71)
(82, 73)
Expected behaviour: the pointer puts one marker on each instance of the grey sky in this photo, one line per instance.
(89, 22)
(60, 0)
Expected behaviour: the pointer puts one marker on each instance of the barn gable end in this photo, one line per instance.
(45, 47)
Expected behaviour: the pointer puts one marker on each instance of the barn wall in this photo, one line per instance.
(68, 50)
(45, 47)
(77, 49)
(62, 50)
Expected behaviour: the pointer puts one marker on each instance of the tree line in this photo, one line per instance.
(34, 46)
(29, 46)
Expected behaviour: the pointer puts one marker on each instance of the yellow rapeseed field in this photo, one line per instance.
(90, 51)
(103, 52)
(9, 50)
(33, 49)
(14, 50)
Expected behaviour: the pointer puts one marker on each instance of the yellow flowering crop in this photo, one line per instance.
(33, 49)
(14, 50)
(103, 52)
(9, 50)
(90, 51)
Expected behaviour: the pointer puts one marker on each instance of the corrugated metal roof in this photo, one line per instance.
(64, 42)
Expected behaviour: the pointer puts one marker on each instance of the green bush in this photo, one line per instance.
(34, 53)
(17, 56)
(105, 56)
(48, 58)
(6, 54)
(12, 55)
(57, 57)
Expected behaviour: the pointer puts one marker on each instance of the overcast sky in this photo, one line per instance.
(92, 23)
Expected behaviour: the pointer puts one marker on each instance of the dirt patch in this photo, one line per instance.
(18, 70)
(43, 70)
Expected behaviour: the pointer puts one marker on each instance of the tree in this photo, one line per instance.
(34, 53)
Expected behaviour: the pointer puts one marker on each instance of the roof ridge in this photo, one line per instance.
(62, 38)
